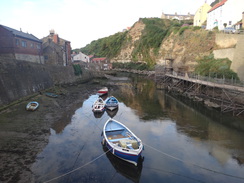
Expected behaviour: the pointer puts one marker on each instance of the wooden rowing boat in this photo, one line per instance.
(112, 103)
(122, 142)
(32, 106)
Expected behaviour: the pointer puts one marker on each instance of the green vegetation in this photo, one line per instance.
(146, 48)
(106, 47)
(215, 2)
(220, 68)
(154, 32)
(132, 65)
(77, 69)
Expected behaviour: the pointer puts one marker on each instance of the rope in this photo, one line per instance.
(77, 168)
(195, 164)
(168, 172)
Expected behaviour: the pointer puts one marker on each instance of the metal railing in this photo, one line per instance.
(217, 80)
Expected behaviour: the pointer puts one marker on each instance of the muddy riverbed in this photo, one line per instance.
(23, 134)
(185, 142)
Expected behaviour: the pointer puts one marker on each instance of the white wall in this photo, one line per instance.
(81, 57)
(233, 12)
(230, 13)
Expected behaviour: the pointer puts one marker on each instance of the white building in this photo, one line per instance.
(81, 57)
(226, 12)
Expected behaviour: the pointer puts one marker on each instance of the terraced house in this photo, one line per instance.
(56, 51)
(226, 13)
(20, 45)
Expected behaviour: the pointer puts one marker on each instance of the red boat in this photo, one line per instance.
(102, 91)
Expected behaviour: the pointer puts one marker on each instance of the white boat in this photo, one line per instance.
(32, 106)
(102, 91)
(112, 103)
(98, 106)
(121, 142)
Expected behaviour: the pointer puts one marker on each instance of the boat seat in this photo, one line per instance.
(115, 140)
(128, 143)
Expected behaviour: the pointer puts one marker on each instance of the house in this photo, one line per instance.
(177, 17)
(20, 45)
(80, 57)
(101, 63)
(56, 51)
(226, 13)
(200, 17)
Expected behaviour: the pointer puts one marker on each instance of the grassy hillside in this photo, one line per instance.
(155, 31)
(159, 37)
(105, 47)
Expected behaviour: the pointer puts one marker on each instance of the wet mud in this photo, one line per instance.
(23, 134)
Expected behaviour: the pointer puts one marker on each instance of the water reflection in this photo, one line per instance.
(98, 114)
(174, 127)
(126, 169)
(112, 113)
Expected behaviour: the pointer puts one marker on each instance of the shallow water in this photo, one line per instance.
(183, 141)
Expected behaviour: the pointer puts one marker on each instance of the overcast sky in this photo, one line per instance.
(82, 21)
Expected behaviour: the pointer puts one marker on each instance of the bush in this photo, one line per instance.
(77, 69)
(132, 66)
(182, 29)
(209, 66)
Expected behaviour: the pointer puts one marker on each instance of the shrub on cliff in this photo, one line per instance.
(220, 68)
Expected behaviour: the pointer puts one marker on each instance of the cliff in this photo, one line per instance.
(181, 47)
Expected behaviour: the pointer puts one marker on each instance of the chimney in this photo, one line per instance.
(52, 32)
(55, 38)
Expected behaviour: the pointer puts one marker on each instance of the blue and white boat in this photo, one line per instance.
(112, 103)
(121, 142)
(32, 106)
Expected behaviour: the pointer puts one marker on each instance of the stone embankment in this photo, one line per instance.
(19, 79)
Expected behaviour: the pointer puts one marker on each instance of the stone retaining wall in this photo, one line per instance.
(21, 78)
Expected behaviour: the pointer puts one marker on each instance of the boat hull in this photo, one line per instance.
(102, 91)
(131, 158)
(121, 148)
(32, 106)
(112, 103)
(98, 106)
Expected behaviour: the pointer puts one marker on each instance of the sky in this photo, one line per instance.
(83, 21)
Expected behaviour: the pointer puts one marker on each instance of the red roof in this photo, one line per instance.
(98, 59)
(217, 5)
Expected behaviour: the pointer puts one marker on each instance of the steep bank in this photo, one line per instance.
(172, 43)
(20, 78)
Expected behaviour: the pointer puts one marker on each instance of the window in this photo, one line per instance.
(16, 42)
(23, 43)
(38, 46)
(32, 45)
(230, 22)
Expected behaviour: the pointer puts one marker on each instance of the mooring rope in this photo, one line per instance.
(55, 178)
(173, 173)
(215, 171)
